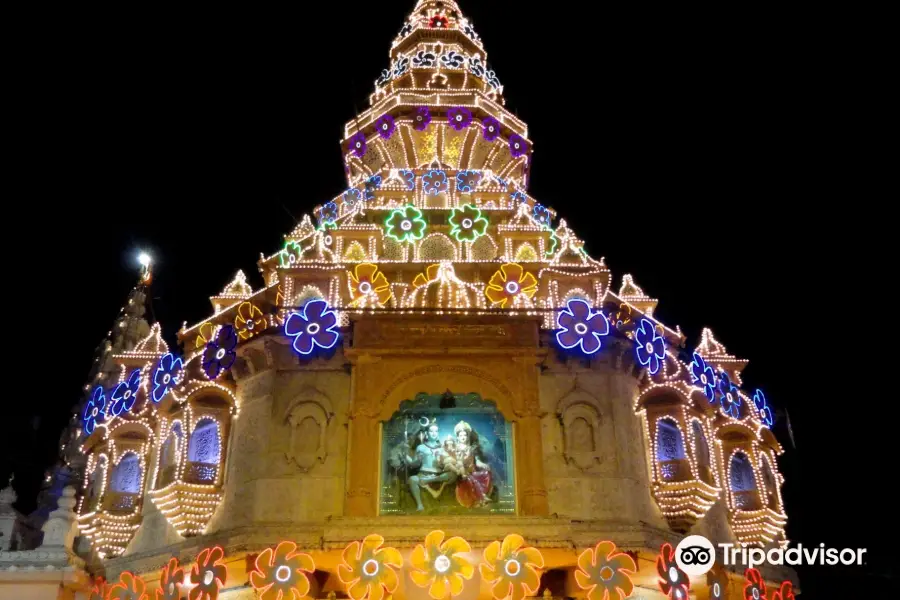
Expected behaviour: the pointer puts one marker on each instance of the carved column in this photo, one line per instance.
(362, 476)
(529, 445)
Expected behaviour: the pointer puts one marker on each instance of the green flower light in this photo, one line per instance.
(554, 241)
(405, 224)
(290, 256)
(468, 224)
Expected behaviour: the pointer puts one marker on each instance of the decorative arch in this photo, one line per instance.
(170, 455)
(742, 482)
(437, 247)
(308, 293)
(307, 418)
(355, 252)
(484, 248)
(526, 253)
(581, 422)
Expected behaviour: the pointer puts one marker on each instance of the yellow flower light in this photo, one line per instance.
(511, 282)
(431, 273)
(437, 567)
(249, 321)
(511, 568)
(605, 573)
(368, 569)
(368, 286)
(206, 333)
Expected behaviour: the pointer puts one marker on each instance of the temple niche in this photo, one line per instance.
(434, 388)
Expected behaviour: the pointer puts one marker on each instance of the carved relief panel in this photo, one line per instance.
(307, 421)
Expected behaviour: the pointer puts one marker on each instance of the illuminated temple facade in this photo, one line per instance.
(430, 351)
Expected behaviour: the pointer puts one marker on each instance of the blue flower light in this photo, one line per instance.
(467, 181)
(762, 405)
(94, 411)
(581, 326)
(125, 394)
(164, 378)
(314, 326)
(219, 354)
(541, 214)
(518, 196)
(703, 374)
(353, 197)
(372, 183)
(328, 215)
(409, 177)
(729, 396)
(435, 182)
(650, 346)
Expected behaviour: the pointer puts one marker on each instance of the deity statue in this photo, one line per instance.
(429, 457)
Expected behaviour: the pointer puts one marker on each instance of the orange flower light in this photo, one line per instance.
(98, 592)
(368, 286)
(786, 592)
(171, 579)
(249, 321)
(280, 573)
(605, 573)
(511, 283)
(437, 566)
(511, 568)
(368, 569)
(208, 575)
(206, 333)
(130, 587)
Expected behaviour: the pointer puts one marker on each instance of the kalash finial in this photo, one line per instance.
(145, 261)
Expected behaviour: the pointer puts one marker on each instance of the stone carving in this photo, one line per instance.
(581, 430)
(308, 419)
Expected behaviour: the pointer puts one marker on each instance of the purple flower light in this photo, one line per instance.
(357, 145)
(125, 394)
(94, 411)
(491, 128)
(651, 347)
(459, 117)
(581, 326)
(729, 396)
(314, 326)
(219, 354)
(517, 145)
(422, 118)
(385, 126)
(703, 374)
(167, 372)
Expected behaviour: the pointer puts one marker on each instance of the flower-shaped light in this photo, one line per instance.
(207, 331)
(673, 581)
(542, 214)
(280, 574)
(459, 117)
(436, 566)
(125, 394)
(98, 592)
(219, 354)
(405, 224)
(511, 568)
(756, 587)
(409, 178)
(467, 181)
(762, 405)
(129, 587)
(288, 257)
(717, 582)
(491, 128)
(435, 182)
(328, 214)
(509, 283)
(353, 196)
(620, 316)
(372, 183)
(467, 224)
(650, 346)
(368, 283)
(208, 575)
(94, 411)
(422, 118)
(166, 375)
(517, 145)
(315, 326)
(438, 22)
(249, 321)
(517, 197)
(357, 145)
(729, 396)
(605, 573)
(703, 374)
(171, 580)
(385, 126)
(368, 569)
(581, 326)
(786, 592)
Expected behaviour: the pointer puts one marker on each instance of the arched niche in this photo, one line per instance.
(581, 427)
(742, 482)
(701, 452)
(95, 484)
(125, 484)
(170, 455)
(670, 454)
(307, 419)
(204, 452)
(437, 247)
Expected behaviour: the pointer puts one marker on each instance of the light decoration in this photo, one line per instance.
(219, 354)
(511, 284)
(315, 326)
(249, 321)
(204, 334)
(94, 410)
(129, 587)
(291, 255)
(785, 592)
(517, 145)
(467, 224)
(385, 126)
(352, 198)
(357, 145)
(125, 394)
(328, 214)
(650, 346)
(467, 181)
(439, 287)
(718, 583)
(167, 375)
(459, 117)
(98, 591)
(435, 182)
(281, 573)
(208, 575)
(405, 224)
(760, 526)
(762, 406)
(756, 586)
(581, 327)
(491, 128)
(422, 119)
(703, 374)
(673, 582)
(512, 568)
(171, 581)
(542, 215)
(368, 287)
(368, 569)
(604, 573)
(729, 396)
(437, 566)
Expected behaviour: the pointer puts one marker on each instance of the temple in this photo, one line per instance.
(435, 392)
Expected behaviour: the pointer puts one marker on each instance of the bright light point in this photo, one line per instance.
(144, 259)
(441, 564)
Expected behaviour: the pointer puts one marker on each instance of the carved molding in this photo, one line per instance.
(308, 446)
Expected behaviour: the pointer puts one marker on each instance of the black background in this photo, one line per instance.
(715, 156)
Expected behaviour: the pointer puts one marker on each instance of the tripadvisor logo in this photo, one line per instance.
(696, 555)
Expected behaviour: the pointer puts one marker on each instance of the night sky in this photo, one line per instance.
(698, 160)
